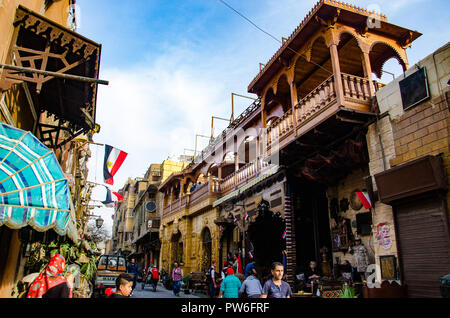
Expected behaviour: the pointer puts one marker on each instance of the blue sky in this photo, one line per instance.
(172, 64)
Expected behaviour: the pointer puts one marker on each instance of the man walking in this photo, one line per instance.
(177, 277)
(250, 269)
(132, 268)
(211, 279)
(276, 287)
(230, 285)
(251, 286)
(155, 277)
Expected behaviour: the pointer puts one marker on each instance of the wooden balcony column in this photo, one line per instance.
(263, 112)
(258, 152)
(336, 72)
(367, 68)
(294, 101)
(182, 184)
(219, 172)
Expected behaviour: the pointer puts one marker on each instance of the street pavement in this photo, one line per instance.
(161, 292)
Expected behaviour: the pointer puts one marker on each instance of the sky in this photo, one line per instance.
(172, 64)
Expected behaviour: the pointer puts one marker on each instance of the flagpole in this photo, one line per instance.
(92, 182)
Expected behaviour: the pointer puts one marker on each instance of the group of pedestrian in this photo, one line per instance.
(231, 286)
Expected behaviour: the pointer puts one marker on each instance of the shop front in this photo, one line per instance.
(421, 221)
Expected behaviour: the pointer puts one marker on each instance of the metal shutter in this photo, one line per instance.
(424, 246)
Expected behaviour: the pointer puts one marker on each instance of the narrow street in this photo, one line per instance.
(161, 292)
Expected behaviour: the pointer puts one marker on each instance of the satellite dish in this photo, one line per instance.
(150, 206)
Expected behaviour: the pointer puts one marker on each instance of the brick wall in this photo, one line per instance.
(423, 130)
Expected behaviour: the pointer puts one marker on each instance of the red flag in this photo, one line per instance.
(239, 269)
(119, 197)
(113, 160)
(365, 200)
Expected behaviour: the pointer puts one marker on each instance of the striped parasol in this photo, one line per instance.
(33, 188)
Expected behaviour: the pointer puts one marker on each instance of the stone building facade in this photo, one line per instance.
(65, 127)
(283, 181)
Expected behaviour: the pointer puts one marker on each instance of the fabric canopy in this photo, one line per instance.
(33, 188)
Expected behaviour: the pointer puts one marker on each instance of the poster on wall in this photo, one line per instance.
(383, 236)
(388, 266)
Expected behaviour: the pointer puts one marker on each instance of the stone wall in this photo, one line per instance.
(343, 190)
(400, 136)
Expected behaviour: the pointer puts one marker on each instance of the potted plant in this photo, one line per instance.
(348, 292)
(186, 284)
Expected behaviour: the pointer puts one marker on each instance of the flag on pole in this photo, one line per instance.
(365, 200)
(113, 160)
(250, 254)
(108, 202)
(235, 219)
(284, 235)
(108, 199)
(119, 197)
(246, 216)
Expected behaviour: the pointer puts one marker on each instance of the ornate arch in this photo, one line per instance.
(280, 75)
(378, 64)
(353, 34)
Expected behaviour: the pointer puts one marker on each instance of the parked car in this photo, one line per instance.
(108, 268)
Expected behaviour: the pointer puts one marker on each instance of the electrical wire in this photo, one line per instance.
(272, 36)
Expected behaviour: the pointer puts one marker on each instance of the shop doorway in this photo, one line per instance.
(266, 237)
(177, 248)
(312, 225)
(229, 244)
(206, 249)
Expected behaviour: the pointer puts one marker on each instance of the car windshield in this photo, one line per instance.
(112, 262)
(103, 260)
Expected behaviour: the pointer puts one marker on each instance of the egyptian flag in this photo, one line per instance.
(365, 200)
(108, 201)
(113, 160)
(119, 197)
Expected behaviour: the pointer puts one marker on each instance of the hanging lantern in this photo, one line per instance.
(99, 222)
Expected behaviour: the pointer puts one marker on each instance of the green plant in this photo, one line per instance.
(186, 280)
(347, 292)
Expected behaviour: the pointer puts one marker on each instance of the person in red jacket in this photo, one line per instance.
(155, 277)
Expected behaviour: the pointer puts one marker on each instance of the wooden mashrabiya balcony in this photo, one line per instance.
(316, 107)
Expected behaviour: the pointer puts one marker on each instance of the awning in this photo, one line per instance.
(247, 186)
(33, 188)
(61, 77)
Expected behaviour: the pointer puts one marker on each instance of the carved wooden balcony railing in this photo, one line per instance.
(209, 189)
(356, 92)
(243, 175)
